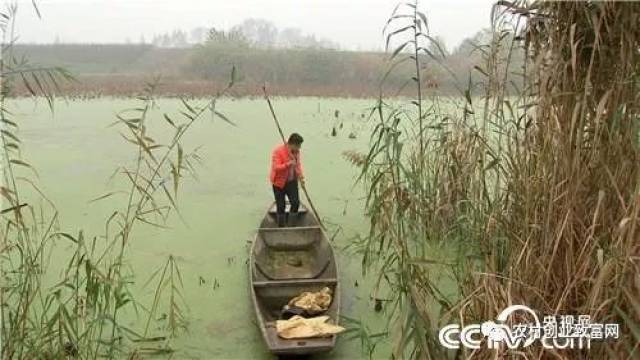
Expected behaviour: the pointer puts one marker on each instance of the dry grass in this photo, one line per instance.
(570, 211)
(540, 191)
(132, 85)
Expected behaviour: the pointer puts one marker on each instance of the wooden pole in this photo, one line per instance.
(304, 187)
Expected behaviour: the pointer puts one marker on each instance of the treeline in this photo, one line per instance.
(255, 32)
(92, 59)
(301, 71)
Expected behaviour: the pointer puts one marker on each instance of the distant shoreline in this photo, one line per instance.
(123, 70)
(125, 86)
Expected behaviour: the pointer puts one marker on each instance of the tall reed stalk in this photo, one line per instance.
(81, 313)
(530, 191)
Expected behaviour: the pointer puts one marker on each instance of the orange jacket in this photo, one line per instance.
(280, 156)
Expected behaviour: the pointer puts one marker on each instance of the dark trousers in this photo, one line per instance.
(290, 190)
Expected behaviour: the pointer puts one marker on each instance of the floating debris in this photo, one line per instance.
(297, 262)
(378, 305)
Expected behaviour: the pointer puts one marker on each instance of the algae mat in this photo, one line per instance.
(75, 152)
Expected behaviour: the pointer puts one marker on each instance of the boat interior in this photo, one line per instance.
(290, 260)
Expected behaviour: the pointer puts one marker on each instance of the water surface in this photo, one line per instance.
(76, 152)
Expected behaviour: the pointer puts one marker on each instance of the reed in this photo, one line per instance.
(533, 197)
(80, 313)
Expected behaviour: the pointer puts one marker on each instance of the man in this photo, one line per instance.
(286, 171)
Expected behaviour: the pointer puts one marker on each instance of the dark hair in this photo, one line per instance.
(295, 139)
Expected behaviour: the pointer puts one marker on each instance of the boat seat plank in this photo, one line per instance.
(292, 229)
(302, 276)
(297, 282)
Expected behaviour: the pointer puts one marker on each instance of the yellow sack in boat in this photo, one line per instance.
(300, 328)
(313, 302)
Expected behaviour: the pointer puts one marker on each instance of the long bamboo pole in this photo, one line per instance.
(302, 184)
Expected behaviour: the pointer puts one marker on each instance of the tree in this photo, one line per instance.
(179, 39)
(259, 32)
(232, 37)
(198, 35)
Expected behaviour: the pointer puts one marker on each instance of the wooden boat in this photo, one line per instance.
(285, 262)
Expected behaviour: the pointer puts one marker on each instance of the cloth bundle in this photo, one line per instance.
(312, 303)
(300, 328)
(296, 326)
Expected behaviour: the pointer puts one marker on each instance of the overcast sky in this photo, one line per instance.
(354, 24)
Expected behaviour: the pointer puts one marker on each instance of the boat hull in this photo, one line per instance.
(283, 263)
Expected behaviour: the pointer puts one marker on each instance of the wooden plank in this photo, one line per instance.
(295, 282)
(287, 229)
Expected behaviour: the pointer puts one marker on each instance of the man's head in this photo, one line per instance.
(295, 142)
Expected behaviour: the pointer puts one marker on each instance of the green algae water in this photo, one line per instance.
(76, 152)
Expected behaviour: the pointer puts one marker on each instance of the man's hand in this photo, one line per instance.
(292, 162)
(302, 181)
